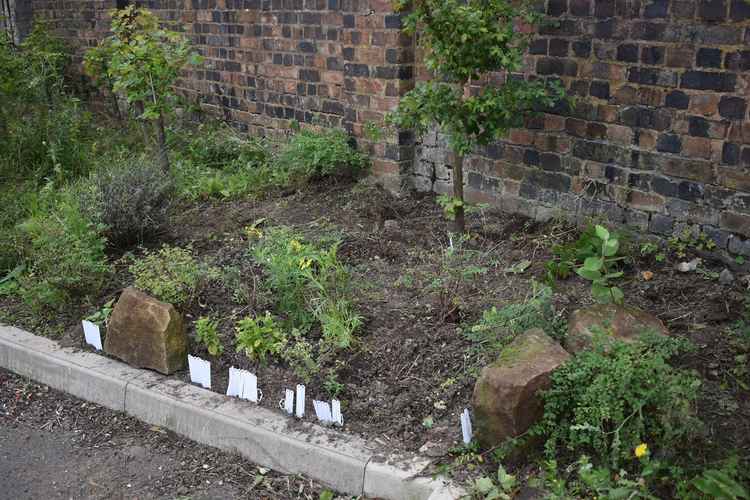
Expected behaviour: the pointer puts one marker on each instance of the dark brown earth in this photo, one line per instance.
(411, 361)
(56, 446)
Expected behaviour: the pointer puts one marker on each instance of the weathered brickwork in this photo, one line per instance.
(333, 63)
(659, 137)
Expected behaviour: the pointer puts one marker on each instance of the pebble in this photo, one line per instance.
(726, 277)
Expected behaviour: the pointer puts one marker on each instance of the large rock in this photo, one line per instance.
(614, 321)
(506, 400)
(146, 333)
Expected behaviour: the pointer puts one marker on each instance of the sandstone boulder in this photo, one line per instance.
(146, 333)
(506, 400)
(615, 321)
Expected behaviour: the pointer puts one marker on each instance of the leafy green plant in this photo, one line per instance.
(300, 356)
(313, 154)
(144, 62)
(599, 268)
(568, 256)
(463, 41)
(171, 274)
(259, 337)
(500, 488)
(64, 255)
(682, 241)
(101, 316)
(207, 332)
(498, 327)
(607, 401)
(719, 483)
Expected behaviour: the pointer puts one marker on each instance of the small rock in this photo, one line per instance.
(726, 277)
(616, 321)
(146, 333)
(686, 267)
(506, 401)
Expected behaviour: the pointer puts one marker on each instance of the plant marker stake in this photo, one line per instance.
(466, 426)
(288, 401)
(235, 382)
(336, 415)
(200, 371)
(323, 411)
(249, 386)
(299, 407)
(92, 334)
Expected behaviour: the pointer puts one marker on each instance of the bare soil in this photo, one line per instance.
(411, 361)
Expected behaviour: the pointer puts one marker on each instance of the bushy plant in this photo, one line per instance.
(498, 327)
(207, 333)
(312, 154)
(260, 337)
(300, 355)
(171, 274)
(64, 255)
(131, 198)
(606, 402)
(220, 147)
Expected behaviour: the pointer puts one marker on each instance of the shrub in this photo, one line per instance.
(260, 337)
(207, 332)
(64, 254)
(171, 275)
(605, 402)
(131, 198)
(311, 155)
(498, 327)
(220, 147)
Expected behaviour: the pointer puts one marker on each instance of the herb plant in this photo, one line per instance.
(171, 275)
(207, 332)
(260, 337)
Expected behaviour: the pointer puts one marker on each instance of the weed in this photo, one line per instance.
(331, 384)
(171, 275)
(500, 488)
(598, 268)
(498, 327)
(64, 254)
(207, 332)
(101, 316)
(689, 239)
(312, 155)
(569, 256)
(300, 357)
(260, 337)
(607, 401)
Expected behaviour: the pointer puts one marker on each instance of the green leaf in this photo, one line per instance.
(601, 293)
(610, 247)
(484, 485)
(601, 232)
(593, 263)
(326, 495)
(588, 274)
(617, 295)
(507, 481)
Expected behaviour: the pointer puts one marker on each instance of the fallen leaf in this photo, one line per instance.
(647, 275)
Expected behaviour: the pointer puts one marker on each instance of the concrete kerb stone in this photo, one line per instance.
(343, 462)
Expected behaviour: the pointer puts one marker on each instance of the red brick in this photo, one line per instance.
(696, 147)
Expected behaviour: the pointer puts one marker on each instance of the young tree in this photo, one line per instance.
(464, 40)
(144, 63)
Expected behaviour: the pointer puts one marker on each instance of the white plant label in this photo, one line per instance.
(92, 334)
(299, 406)
(323, 411)
(288, 402)
(336, 415)
(200, 371)
(243, 385)
(466, 426)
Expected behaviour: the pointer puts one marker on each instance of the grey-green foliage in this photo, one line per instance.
(131, 197)
(498, 327)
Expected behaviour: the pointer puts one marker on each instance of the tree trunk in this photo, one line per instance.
(161, 135)
(140, 109)
(459, 223)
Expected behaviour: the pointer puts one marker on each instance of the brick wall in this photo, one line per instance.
(660, 135)
(333, 63)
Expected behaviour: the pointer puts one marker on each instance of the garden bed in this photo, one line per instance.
(411, 372)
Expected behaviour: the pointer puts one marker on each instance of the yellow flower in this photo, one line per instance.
(253, 232)
(641, 450)
(304, 263)
(295, 245)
